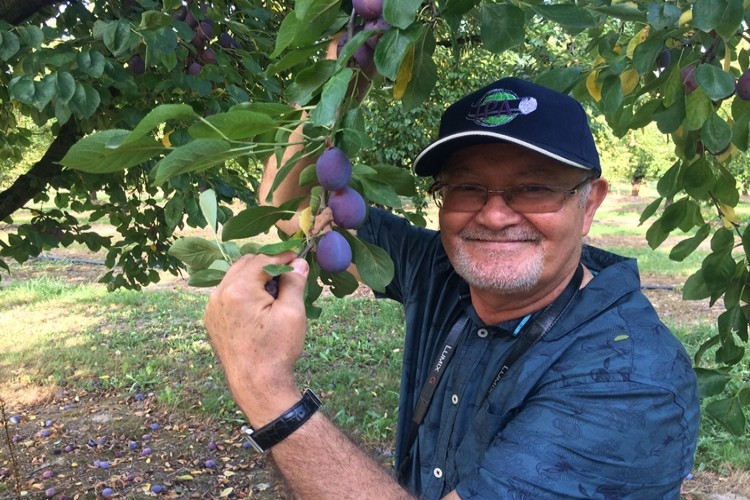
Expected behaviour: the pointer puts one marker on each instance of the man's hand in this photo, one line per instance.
(258, 338)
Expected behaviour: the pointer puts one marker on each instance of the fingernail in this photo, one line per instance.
(300, 266)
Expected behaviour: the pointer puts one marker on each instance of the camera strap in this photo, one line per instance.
(537, 329)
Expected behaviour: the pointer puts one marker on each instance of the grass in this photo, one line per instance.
(154, 342)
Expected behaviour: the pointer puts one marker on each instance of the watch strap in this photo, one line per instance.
(276, 431)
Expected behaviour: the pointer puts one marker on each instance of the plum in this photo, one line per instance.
(107, 492)
(743, 86)
(688, 79)
(348, 208)
(334, 169)
(194, 69)
(209, 56)
(664, 59)
(334, 253)
(137, 65)
(376, 24)
(226, 40)
(368, 9)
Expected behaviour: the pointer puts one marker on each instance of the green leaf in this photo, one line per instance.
(277, 269)
(292, 59)
(206, 278)
(153, 19)
(315, 17)
(334, 91)
(233, 125)
(560, 79)
(669, 119)
(197, 253)
(194, 156)
(716, 134)
(502, 26)
(353, 135)
(656, 234)
(456, 7)
(116, 37)
(645, 54)
(662, 15)
(85, 101)
(374, 265)
(379, 192)
(65, 85)
(399, 178)
(254, 221)
(733, 322)
(724, 16)
(400, 13)
(158, 115)
(650, 210)
(282, 246)
(209, 207)
(728, 412)
(287, 32)
(92, 154)
(695, 287)
(32, 36)
(741, 127)
(718, 270)
(711, 382)
(698, 108)
(698, 179)
(341, 284)
(673, 88)
(569, 16)
(685, 247)
(9, 45)
(91, 62)
(424, 72)
(392, 48)
(308, 82)
(716, 82)
(173, 211)
(626, 11)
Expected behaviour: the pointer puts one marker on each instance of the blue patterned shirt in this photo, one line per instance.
(604, 406)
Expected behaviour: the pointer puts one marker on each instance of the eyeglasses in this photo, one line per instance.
(524, 198)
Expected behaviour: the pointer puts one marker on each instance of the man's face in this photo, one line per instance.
(499, 249)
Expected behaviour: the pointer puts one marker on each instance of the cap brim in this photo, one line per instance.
(433, 157)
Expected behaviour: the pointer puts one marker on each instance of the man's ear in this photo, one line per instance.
(599, 190)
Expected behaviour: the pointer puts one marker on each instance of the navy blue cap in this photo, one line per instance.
(517, 111)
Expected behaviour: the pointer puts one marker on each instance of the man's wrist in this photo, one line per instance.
(277, 430)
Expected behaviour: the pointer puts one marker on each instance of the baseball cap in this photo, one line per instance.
(514, 110)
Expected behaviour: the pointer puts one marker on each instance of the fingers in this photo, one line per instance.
(246, 280)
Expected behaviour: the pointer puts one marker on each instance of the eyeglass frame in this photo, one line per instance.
(436, 186)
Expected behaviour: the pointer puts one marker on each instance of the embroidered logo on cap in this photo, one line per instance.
(500, 106)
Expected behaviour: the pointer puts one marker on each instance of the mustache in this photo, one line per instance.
(508, 234)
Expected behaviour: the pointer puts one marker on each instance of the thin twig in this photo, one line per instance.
(11, 451)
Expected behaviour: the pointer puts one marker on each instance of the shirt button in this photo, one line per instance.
(454, 399)
(438, 472)
(482, 332)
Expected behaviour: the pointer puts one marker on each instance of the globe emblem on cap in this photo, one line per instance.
(498, 107)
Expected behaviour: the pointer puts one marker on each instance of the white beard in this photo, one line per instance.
(493, 272)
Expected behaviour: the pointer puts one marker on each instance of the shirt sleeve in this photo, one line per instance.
(624, 439)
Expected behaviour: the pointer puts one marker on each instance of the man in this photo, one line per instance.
(534, 367)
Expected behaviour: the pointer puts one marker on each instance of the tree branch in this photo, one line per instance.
(16, 11)
(36, 180)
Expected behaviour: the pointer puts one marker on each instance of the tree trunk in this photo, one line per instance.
(36, 180)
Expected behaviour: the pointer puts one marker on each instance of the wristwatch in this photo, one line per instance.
(274, 432)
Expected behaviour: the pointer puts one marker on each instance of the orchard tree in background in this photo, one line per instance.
(171, 109)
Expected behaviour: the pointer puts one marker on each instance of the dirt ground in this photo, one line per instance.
(85, 444)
